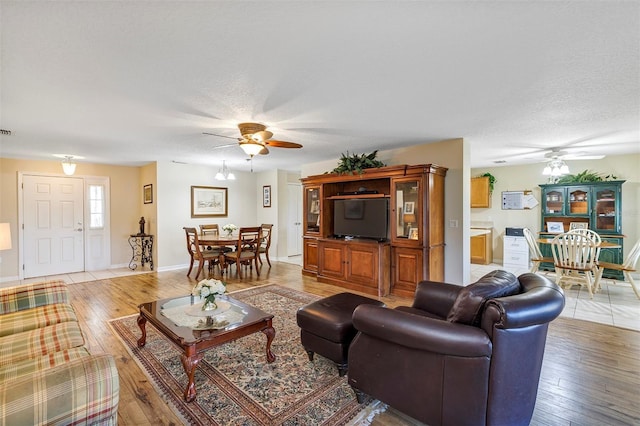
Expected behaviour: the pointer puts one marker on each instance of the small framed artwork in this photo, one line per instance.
(147, 194)
(555, 227)
(409, 207)
(266, 196)
(413, 233)
(208, 201)
(578, 225)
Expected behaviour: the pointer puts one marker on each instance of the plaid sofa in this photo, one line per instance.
(47, 375)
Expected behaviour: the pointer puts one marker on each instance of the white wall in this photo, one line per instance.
(518, 178)
(174, 183)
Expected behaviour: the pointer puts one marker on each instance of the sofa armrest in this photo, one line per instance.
(29, 296)
(83, 391)
(436, 297)
(422, 333)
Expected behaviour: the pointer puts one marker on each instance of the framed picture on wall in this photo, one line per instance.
(266, 196)
(147, 193)
(409, 207)
(208, 201)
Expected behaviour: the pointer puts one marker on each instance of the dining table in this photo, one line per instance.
(219, 240)
(603, 244)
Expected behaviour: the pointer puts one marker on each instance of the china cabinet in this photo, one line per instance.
(414, 247)
(597, 206)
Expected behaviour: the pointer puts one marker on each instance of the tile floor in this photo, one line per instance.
(616, 304)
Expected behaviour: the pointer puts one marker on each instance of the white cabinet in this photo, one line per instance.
(516, 253)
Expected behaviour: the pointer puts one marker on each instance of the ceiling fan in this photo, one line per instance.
(256, 139)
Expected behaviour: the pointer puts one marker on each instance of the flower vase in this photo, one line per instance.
(229, 233)
(209, 305)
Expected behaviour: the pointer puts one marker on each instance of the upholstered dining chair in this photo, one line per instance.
(575, 257)
(195, 251)
(535, 254)
(247, 247)
(266, 242)
(626, 267)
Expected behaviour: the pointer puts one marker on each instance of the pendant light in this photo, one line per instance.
(224, 173)
(68, 166)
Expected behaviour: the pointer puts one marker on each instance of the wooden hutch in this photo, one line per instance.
(414, 250)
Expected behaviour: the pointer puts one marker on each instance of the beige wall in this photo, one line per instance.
(126, 197)
(518, 178)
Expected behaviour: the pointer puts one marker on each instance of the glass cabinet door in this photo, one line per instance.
(578, 201)
(554, 201)
(312, 210)
(407, 218)
(607, 204)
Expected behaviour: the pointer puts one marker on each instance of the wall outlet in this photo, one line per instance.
(453, 223)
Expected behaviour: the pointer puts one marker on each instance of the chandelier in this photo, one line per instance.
(224, 173)
(555, 168)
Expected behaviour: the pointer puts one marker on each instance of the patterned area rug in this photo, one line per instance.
(236, 386)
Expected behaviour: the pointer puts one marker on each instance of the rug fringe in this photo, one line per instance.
(365, 417)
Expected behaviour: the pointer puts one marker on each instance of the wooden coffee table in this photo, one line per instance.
(194, 335)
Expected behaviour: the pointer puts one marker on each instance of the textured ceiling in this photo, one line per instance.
(134, 82)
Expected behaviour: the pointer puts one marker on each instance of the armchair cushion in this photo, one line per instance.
(469, 304)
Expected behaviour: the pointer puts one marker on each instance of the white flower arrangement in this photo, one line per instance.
(208, 290)
(229, 227)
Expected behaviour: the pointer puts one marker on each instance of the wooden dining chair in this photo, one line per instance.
(626, 267)
(535, 254)
(213, 229)
(575, 260)
(247, 247)
(266, 242)
(212, 257)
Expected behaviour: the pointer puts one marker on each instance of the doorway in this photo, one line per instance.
(294, 231)
(65, 224)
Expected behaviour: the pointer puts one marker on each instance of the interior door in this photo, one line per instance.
(53, 225)
(294, 233)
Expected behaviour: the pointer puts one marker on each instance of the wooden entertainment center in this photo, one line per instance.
(414, 249)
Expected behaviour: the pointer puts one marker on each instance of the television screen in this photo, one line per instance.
(362, 218)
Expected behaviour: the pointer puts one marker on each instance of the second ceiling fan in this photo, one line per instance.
(256, 139)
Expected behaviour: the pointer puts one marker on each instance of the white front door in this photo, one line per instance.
(294, 231)
(53, 225)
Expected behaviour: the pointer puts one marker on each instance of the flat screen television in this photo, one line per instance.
(361, 218)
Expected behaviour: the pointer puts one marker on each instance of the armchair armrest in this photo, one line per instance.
(29, 296)
(422, 333)
(83, 391)
(436, 297)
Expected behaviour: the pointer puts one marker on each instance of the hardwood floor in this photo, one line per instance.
(591, 372)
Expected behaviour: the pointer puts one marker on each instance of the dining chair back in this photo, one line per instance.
(247, 247)
(626, 267)
(209, 229)
(534, 251)
(267, 228)
(575, 260)
(197, 253)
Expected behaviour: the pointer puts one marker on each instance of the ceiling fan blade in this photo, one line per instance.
(227, 145)
(221, 136)
(264, 151)
(282, 144)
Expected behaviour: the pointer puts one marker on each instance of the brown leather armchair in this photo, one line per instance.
(459, 355)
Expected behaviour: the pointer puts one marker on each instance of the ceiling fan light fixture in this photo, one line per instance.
(68, 166)
(555, 168)
(251, 148)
